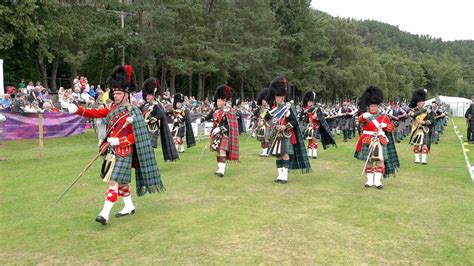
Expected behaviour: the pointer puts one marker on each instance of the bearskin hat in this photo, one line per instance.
(279, 86)
(122, 78)
(150, 86)
(419, 95)
(371, 95)
(223, 92)
(309, 96)
(178, 97)
(263, 95)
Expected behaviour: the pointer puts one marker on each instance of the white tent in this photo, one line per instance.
(457, 105)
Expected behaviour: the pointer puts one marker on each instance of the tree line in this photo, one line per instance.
(195, 45)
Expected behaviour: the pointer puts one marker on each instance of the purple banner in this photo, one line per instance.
(25, 126)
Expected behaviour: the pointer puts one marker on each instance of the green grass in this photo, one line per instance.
(424, 215)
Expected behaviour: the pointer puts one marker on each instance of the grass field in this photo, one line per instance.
(424, 215)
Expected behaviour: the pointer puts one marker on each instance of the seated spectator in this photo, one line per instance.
(48, 108)
(6, 102)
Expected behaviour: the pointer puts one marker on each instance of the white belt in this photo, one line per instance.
(375, 133)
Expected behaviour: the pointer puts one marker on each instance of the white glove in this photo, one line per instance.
(383, 125)
(216, 131)
(113, 141)
(72, 108)
(366, 115)
(130, 120)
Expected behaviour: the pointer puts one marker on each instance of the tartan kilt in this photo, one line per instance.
(154, 139)
(364, 152)
(178, 132)
(309, 133)
(224, 143)
(261, 133)
(122, 172)
(282, 146)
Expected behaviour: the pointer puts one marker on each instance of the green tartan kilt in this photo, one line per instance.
(282, 146)
(364, 152)
(122, 172)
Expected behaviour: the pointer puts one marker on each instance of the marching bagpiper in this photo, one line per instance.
(347, 121)
(225, 130)
(421, 131)
(155, 120)
(439, 121)
(127, 146)
(375, 146)
(285, 138)
(262, 120)
(181, 124)
(314, 122)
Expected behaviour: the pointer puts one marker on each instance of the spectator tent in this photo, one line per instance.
(457, 105)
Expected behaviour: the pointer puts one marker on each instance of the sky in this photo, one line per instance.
(447, 19)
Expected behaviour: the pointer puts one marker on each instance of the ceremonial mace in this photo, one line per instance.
(128, 121)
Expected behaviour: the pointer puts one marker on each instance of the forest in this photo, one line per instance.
(195, 45)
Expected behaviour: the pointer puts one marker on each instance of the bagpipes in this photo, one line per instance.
(277, 114)
(151, 121)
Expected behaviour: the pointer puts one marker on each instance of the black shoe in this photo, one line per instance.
(220, 174)
(380, 187)
(366, 185)
(315, 157)
(436, 142)
(277, 180)
(101, 220)
(283, 181)
(118, 215)
(424, 163)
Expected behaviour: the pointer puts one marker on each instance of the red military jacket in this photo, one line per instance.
(370, 128)
(126, 138)
(312, 119)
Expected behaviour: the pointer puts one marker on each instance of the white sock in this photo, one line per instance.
(221, 168)
(279, 173)
(128, 205)
(310, 152)
(378, 179)
(423, 158)
(370, 179)
(315, 152)
(417, 157)
(284, 174)
(106, 210)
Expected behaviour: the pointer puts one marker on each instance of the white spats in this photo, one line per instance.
(129, 206)
(264, 152)
(417, 158)
(378, 179)
(221, 168)
(284, 174)
(370, 180)
(106, 210)
(279, 173)
(315, 153)
(423, 158)
(310, 152)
